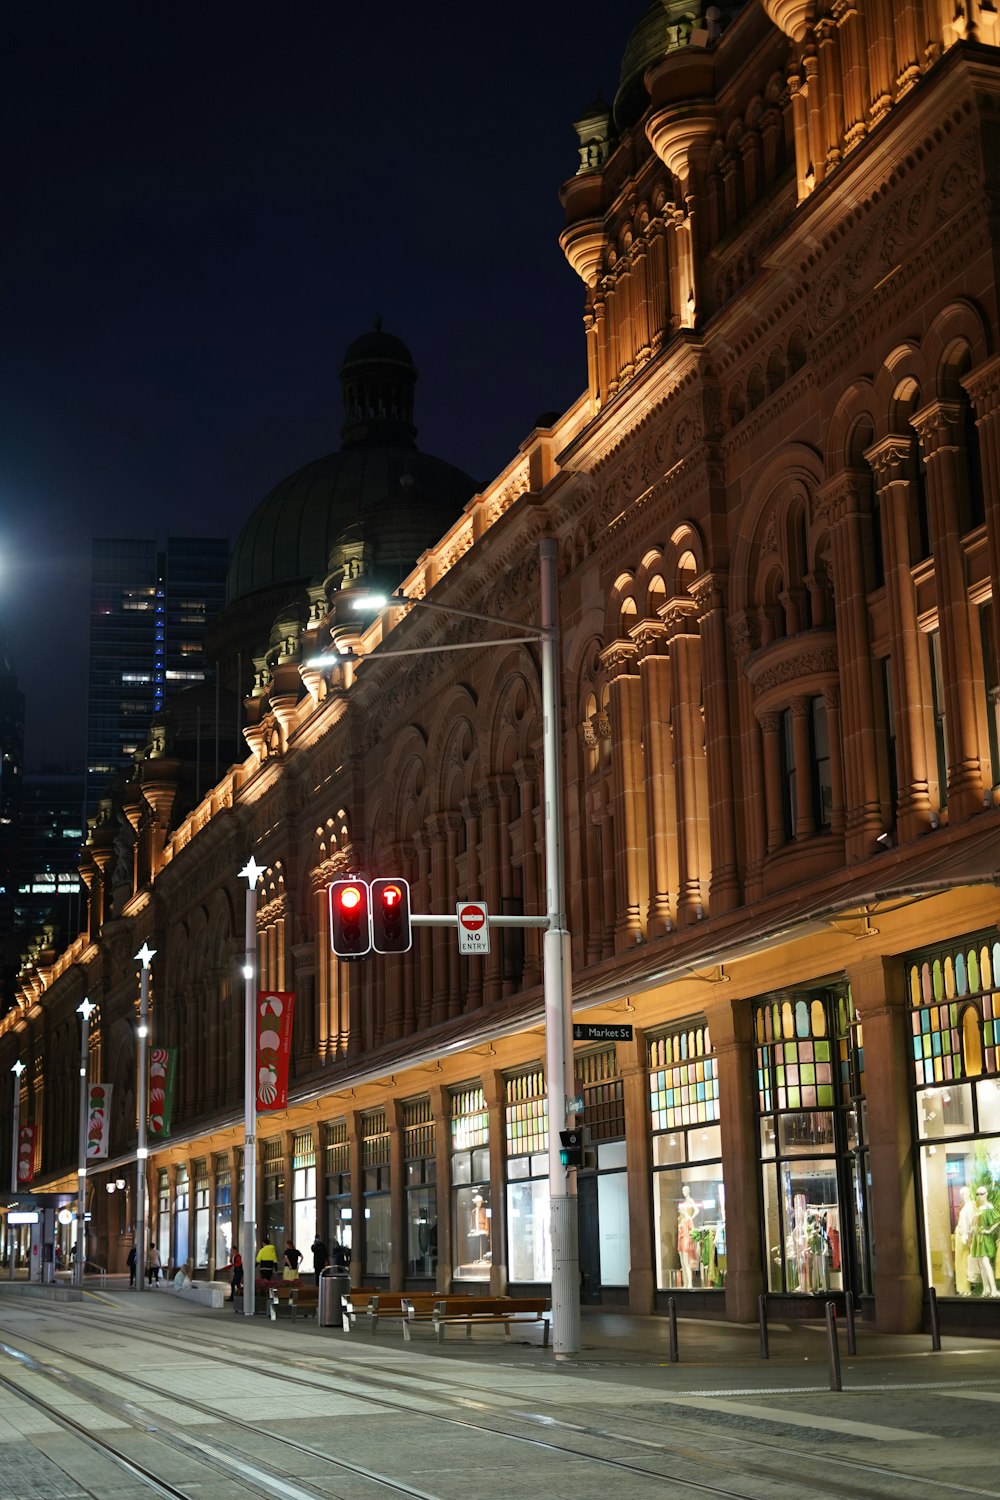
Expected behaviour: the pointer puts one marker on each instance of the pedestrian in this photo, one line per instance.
(236, 1281)
(292, 1259)
(153, 1264)
(319, 1256)
(267, 1261)
(132, 1258)
(340, 1257)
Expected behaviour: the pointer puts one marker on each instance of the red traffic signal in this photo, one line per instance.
(391, 930)
(350, 925)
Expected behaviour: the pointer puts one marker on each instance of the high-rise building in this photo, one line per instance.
(149, 611)
(50, 835)
(11, 771)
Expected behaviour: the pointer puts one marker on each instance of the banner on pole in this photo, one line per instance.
(98, 1121)
(26, 1154)
(162, 1073)
(274, 1046)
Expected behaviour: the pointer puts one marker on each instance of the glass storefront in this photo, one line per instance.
(529, 1240)
(377, 1203)
(471, 1211)
(304, 1221)
(421, 1190)
(689, 1199)
(339, 1228)
(223, 1247)
(201, 1215)
(812, 1146)
(182, 1207)
(602, 1196)
(163, 1216)
(954, 996)
(273, 1226)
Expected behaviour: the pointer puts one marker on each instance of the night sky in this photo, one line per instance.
(205, 203)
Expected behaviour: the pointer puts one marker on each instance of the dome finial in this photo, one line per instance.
(378, 322)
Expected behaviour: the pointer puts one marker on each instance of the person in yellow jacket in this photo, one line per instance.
(267, 1261)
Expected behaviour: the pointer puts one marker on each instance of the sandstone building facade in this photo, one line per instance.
(777, 504)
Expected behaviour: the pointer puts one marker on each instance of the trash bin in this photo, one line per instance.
(333, 1285)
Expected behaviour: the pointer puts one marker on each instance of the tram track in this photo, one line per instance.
(359, 1384)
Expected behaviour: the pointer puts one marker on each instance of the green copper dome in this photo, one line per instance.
(664, 26)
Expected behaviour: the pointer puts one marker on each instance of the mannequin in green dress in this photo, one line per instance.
(983, 1244)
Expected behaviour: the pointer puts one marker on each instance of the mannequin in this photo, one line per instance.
(983, 1244)
(963, 1236)
(687, 1212)
(480, 1226)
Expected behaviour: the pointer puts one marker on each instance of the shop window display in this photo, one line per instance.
(421, 1191)
(954, 994)
(339, 1224)
(813, 1154)
(526, 1129)
(689, 1198)
(471, 1213)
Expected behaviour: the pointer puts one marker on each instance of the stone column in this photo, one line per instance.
(505, 790)
(358, 1250)
(854, 71)
(773, 790)
(879, 998)
(453, 823)
(489, 805)
(424, 935)
(805, 813)
(831, 90)
(730, 1029)
(437, 832)
(631, 1058)
(831, 702)
(654, 678)
(493, 1091)
(397, 1189)
(983, 386)
(939, 427)
(629, 792)
(892, 462)
(534, 898)
(441, 1111)
(744, 636)
(470, 811)
(843, 499)
(690, 769)
(708, 591)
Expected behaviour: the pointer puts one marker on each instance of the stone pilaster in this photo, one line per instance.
(730, 1029)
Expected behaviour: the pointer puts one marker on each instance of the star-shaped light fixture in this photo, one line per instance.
(18, 1069)
(86, 1010)
(145, 955)
(252, 871)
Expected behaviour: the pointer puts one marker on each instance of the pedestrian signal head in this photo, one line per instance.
(391, 931)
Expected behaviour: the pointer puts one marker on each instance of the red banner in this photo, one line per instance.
(26, 1154)
(274, 1045)
(162, 1073)
(98, 1121)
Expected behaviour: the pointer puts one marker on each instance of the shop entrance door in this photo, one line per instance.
(590, 1240)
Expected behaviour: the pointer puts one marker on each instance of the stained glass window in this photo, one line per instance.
(418, 1130)
(526, 1114)
(470, 1123)
(374, 1139)
(603, 1096)
(954, 995)
(683, 1079)
(794, 1055)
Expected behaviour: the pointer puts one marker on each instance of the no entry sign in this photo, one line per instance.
(473, 927)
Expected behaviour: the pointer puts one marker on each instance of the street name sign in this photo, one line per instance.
(584, 1033)
(473, 928)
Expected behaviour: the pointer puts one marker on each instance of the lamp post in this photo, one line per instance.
(556, 962)
(145, 957)
(17, 1070)
(252, 872)
(86, 1009)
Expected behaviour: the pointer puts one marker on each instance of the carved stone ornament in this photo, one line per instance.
(744, 636)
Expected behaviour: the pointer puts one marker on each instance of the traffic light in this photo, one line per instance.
(350, 925)
(391, 931)
(571, 1148)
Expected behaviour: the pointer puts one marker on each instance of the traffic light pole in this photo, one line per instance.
(556, 963)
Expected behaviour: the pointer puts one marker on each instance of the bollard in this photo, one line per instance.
(832, 1350)
(673, 1355)
(852, 1337)
(935, 1321)
(765, 1352)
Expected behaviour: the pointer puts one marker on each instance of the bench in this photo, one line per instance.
(381, 1304)
(473, 1312)
(293, 1295)
(207, 1293)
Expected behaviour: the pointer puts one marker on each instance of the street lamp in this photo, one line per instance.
(252, 872)
(85, 1010)
(17, 1070)
(556, 959)
(145, 957)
